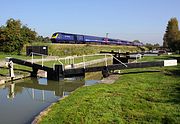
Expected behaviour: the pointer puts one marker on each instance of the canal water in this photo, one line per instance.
(21, 101)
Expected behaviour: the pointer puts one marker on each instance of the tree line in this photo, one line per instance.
(14, 35)
(172, 35)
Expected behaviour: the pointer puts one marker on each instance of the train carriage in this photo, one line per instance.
(60, 37)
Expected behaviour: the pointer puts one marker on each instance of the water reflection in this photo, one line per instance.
(21, 101)
(42, 85)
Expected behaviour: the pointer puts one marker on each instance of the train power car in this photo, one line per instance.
(60, 37)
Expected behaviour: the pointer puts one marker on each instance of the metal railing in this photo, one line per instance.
(70, 60)
(43, 59)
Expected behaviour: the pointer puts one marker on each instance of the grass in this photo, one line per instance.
(18, 70)
(148, 95)
(84, 49)
(23, 56)
(62, 50)
(158, 58)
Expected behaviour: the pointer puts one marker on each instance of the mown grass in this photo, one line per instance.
(18, 70)
(22, 56)
(157, 58)
(148, 95)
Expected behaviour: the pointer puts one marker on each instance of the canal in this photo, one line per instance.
(21, 101)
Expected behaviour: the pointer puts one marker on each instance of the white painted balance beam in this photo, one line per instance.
(170, 62)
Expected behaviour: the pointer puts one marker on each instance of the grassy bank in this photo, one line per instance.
(149, 95)
(71, 49)
(81, 49)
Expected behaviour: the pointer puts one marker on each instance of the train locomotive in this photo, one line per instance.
(60, 37)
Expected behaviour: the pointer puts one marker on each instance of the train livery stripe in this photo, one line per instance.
(54, 36)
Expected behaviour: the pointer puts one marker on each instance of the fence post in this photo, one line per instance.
(73, 60)
(84, 62)
(106, 59)
(32, 58)
(42, 61)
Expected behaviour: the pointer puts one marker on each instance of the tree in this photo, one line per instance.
(152, 46)
(172, 34)
(10, 36)
(156, 45)
(177, 46)
(28, 35)
(43, 39)
(149, 46)
(14, 35)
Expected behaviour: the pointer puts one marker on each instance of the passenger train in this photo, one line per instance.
(60, 37)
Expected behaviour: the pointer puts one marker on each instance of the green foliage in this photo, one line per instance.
(43, 39)
(172, 35)
(152, 46)
(14, 35)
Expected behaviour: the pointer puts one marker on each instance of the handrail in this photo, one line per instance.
(71, 58)
(83, 58)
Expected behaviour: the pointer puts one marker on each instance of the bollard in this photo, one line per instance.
(11, 71)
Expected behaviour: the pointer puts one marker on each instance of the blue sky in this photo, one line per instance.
(144, 20)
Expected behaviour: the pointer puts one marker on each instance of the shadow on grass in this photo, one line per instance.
(23, 70)
(177, 58)
(175, 72)
(2, 75)
(175, 95)
(139, 72)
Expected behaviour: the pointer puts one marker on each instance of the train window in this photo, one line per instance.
(59, 36)
(54, 34)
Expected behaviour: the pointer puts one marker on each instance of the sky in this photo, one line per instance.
(143, 20)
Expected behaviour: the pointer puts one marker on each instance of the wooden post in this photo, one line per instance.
(34, 72)
(59, 72)
(105, 72)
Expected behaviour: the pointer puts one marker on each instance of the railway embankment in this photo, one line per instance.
(63, 50)
(84, 49)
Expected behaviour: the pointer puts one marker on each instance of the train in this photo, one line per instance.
(60, 37)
